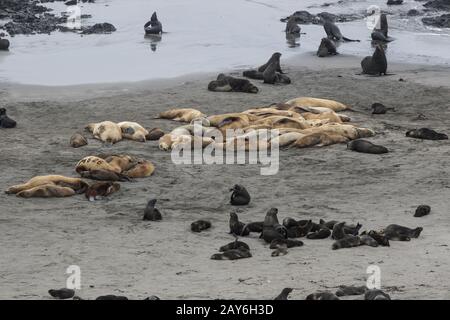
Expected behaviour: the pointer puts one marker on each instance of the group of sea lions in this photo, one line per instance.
(369, 294)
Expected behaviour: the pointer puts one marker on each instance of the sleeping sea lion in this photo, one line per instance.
(401, 233)
(239, 245)
(323, 233)
(49, 186)
(133, 131)
(91, 163)
(103, 175)
(348, 241)
(154, 134)
(233, 254)
(368, 241)
(106, 131)
(426, 134)
(200, 225)
(181, 115)
(319, 139)
(318, 103)
(365, 146)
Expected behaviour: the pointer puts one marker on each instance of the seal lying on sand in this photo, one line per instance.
(100, 190)
(318, 103)
(350, 291)
(368, 241)
(133, 131)
(104, 175)
(62, 294)
(326, 48)
(151, 213)
(4, 44)
(200, 225)
(378, 237)
(288, 243)
(400, 233)
(323, 233)
(240, 196)
(348, 241)
(106, 131)
(325, 295)
(5, 121)
(426, 134)
(232, 254)
(334, 33)
(154, 26)
(230, 84)
(376, 64)
(365, 146)
(235, 245)
(182, 115)
(422, 211)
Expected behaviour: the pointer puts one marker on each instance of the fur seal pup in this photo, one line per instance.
(106, 131)
(77, 140)
(100, 190)
(230, 84)
(236, 227)
(104, 175)
(334, 33)
(351, 291)
(111, 297)
(376, 64)
(292, 27)
(284, 294)
(368, 241)
(378, 108)
(233, 254)
(323, 233)
(288, 243)
(181, 115)
(154, 134)
(422, 210)
(376, 294)
(239, 245)
(49, 186)
(200, 225)
(348, 241)
(401, 233)
(62, 294)
(154, 26)
(324, 295)
(5, 121)
(275, 58)
(326, 48)
(240, 196)
(426, 134)
(151, 213)
(365, 146)
(4, 44)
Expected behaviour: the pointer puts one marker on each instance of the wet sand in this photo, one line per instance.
(121, 254)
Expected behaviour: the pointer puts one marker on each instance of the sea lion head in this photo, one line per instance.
(151, 203)
(272, 212)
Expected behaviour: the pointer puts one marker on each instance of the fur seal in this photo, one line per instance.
(233, 254)
(338, 231)
(200, 225)
(151, 213)
(352, 229)
(382, 33)
(255, 226)
(288, 243)
(154, 134)
(348, 241)
(153, 26)
(378, 108)
(111, 297)
(292, 27)
(422, 210)
(240, 196)
(400, 233)
(271, 218)
(274, 233)
(106, 131)
(62, 294)
(379, 238)
(323, 233)
(329, 224)
(376, 64)
(351, 291)
(275, 58)
(326, 48)
(368, 241)
(100, 190)
(230, 84)
(133, 131)
(271, 76)
(236, 227)
(4, 44)
(284, 294)
(376, 294)
(394, 2)
(104, 175)
(289, 222)
(426, 134)
(319, 139)
(280, 251)
(253, 74)
(325, 295)
(365, 146)
(300, 231)
(78, 140)
(334, 33)
(5, 121)
(181, 115)
(235, 245)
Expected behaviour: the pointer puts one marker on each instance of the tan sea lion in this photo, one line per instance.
(182, 115)
(330, 116)
(118, 161)
(266, 112)
(77, 185)
(78, 140)
(277, 122)
(106, 131)
(91, 163)
(318, 139)
(286, 139)
(141, 169)
(316, 102)
(47, 191)
(231, 120)
(349, 131)
(133, 131)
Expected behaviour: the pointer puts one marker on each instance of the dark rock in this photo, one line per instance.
(422, 211)
(99, 28)
(439, 22)
(438, 5)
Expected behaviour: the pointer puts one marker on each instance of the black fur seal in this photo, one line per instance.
(236, 227)
(348, 241)
(323, 233)
(62, 294)
(284, 294)
(352, 229)
(4, 44)
(365, 146)
(276, 243)
(200, 225)
(5, 121)
(426, 134)
(376, 64)
(271, 218)
(422, 211)
(329, 224)
(275, 58)
(378, 108)
(271, 234)
(400, 233)
(327, 48)
(289, 222)
(338, 231)
(151, 213)
(351, 291)
(153, 26)
(292, 27)
(253, 74)
(325, 295)
(111, 297)
(230, 84)
(240, 196)
(233, 254)
(334, 33)
(239, 245)
(255, 226)
(301, 230)
(104, 175)
(376, 294)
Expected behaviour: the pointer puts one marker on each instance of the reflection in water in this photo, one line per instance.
(291, 40)
(154, 39)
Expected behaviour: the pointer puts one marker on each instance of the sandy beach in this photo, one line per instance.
(118, 253)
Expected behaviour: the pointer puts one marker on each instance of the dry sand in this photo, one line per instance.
(121, 254)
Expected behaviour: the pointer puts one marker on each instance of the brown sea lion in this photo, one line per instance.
(91, 163)
(182, 115)
(141, 169)
(100, 190)
(319, 139)
(104, 175)
(106, 131)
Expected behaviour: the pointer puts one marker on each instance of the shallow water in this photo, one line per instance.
(201, 36)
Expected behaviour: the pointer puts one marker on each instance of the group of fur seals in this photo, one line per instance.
(426, 134)
(333, 32)
(240, 196)
(230, 84)
(153, 26)
(365, 146)
(5, 121)
(376, 64)
(379, 108)
(200, 225)
(270, 72)
(151, 213)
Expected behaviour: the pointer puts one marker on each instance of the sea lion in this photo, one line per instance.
(334, 33)
(154, 134)
(240, 196)
(300, 230)
(324, 295)
(292, 27)
(318, 103)
(400, 233)
(181, 115)
(378, 108)
(133, 131)
(154, 26)
(106, 131)
(236, 227)
(4, 44)
(426, 134)
(275, 58)
(230, 84)
(351, 291)
(348, 241)
(379, 238)
(422, 211)
(326, 48)
(319, 139)
(336, 129)
(323, 233)
(232, 254)
(273, 233)
(288, 243)
(329, 224)
(92, 163)
(111, 297)
(103, 175)
(5, 121)
(151, 213)
(352, 229)
(78, 140)
(284, 294)
(200, 225)
(376, 294)
(365, 146)
(368, 241)
(120, 162)
(62, 294)
(290, 222)
(239, 245)
(49, 186)
(376, 64)
(141, 169)
(100, 190)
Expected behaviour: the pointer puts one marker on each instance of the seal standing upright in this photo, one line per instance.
(151, 213)
(5, 121)
(376, 64)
